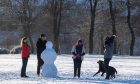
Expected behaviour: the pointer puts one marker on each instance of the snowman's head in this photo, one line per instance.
(49, 44)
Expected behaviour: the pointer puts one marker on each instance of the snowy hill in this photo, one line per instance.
(128, 70)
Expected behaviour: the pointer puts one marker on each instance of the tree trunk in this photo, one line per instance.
(27, 33)
(112, 13)
(102, 44)
(30, 38)
(56, 35)
(25, 20)
(130, 28)
(92, 24)
(57, 16)
(59, 25)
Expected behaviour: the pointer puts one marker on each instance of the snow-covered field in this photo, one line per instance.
(128, 70)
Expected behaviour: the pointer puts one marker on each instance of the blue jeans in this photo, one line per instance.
(106, 64)
(24, 65)
(77, 67)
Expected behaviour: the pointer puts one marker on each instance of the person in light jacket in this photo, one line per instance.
(78, 52)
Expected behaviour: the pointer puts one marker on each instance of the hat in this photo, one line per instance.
(43, 35)
(79, 41)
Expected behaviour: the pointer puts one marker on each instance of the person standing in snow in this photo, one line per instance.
(25, 52)
(78, 52)
(40, 48)
(108, 53)
(49, 56)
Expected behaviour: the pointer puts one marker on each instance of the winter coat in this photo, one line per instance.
(40, 47)
(78, 50)
(25, 50)
(108, 52)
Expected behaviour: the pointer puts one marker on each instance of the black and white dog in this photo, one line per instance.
(111, 69)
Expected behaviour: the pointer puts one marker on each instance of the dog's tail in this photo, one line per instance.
(116, 71)
(96, 73)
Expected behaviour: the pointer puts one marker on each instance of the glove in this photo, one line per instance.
(73, 57)
(82, 57)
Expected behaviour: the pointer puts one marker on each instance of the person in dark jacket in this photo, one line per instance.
(108, 53)
(40, 48)
(78, 52)
(25, 52)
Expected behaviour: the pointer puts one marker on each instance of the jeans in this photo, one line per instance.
(77, 67)
(24, 65)
(40, 64)
(106, 64)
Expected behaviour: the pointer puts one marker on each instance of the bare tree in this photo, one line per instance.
(56, 11)
(93, 5)
(113, 22)
(130, 28)
(26, 12)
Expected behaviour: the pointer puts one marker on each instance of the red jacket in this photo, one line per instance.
(25, 50)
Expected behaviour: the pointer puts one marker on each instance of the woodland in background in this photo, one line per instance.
(65, 21)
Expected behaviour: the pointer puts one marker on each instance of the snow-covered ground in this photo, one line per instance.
(128, 70)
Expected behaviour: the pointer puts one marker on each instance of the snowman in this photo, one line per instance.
(49, 56)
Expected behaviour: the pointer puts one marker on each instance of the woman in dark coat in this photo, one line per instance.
(78, 52)
(25, 53)
(108, 53)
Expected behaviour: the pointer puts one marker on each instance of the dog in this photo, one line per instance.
(111, 69)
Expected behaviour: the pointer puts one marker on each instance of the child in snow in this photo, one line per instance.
(49, 56)
(78, 52)
(25, 52)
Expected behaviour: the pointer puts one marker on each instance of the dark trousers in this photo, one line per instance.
(24, 65)
(39, 65)
(77, 67)
(106, 63)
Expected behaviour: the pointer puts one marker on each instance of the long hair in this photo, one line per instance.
(79, 41)
(22, 41)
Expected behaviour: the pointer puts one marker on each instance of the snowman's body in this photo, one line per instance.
(49, 56)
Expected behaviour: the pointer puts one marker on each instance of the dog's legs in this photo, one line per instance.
(114, 75)
(96, 73)
(102, 74)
